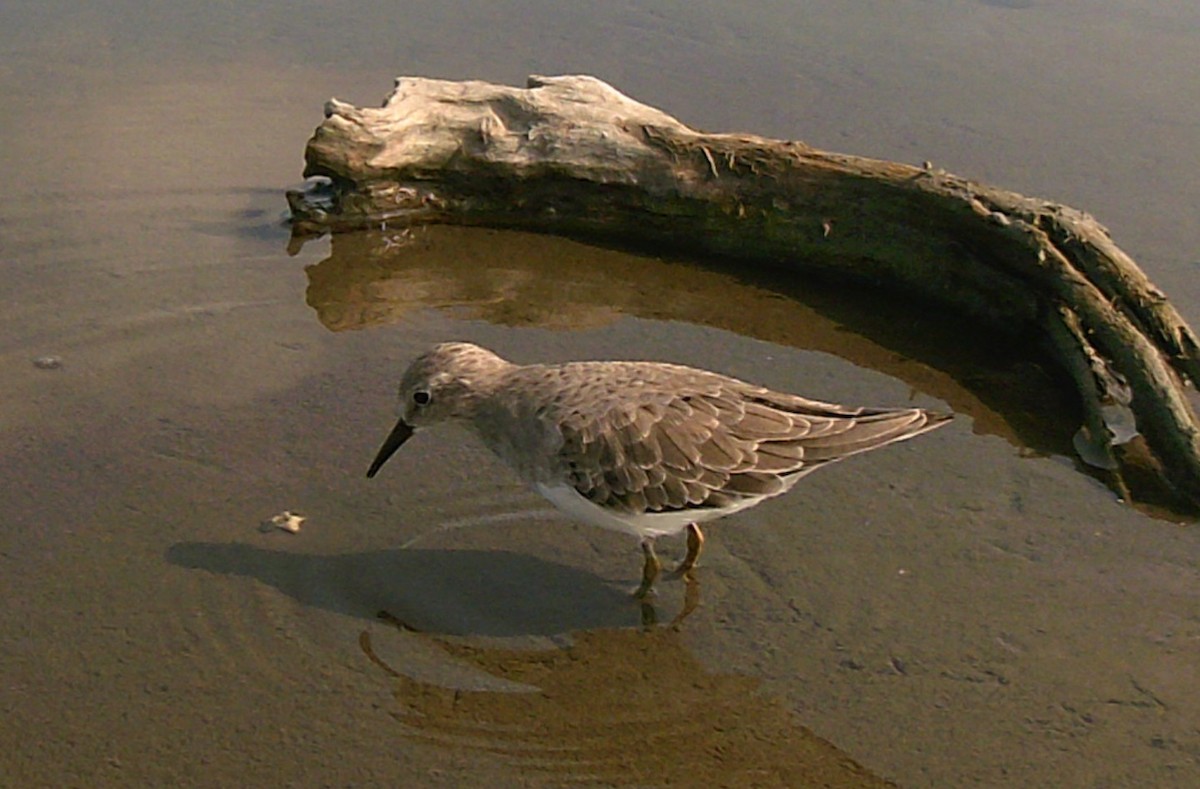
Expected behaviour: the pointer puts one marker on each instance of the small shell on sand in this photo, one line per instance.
(287, 521)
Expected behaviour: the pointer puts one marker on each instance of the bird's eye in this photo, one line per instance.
(421, 397)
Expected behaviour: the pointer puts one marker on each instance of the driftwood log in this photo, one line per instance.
(572, 155)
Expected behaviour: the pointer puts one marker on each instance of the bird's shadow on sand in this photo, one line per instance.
(458, 592)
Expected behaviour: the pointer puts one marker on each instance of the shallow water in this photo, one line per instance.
(966, 608)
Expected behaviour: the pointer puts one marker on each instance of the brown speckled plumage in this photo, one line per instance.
(655, 447)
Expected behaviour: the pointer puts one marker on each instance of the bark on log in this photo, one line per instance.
(574, 156)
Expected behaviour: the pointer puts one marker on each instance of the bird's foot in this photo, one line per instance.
(695, 544)
(650, 570)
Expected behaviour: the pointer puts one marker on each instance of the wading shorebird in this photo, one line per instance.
(644, 448)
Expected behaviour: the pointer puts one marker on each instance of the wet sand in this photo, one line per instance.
(966, 609)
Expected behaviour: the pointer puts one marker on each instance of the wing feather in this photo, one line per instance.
(717, 444)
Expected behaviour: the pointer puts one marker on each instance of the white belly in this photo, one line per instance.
(646, 524)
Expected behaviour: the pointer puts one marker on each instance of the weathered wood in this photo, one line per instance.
(572, 155)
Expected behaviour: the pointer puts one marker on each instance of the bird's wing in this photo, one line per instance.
(707, 449)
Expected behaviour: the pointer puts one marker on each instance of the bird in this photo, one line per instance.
(644, 448)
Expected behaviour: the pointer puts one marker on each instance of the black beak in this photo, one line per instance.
(400, 433)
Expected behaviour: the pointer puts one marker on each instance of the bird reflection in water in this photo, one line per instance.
(616, 706)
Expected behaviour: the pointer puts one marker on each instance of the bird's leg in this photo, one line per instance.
(691, 599)
(695, 544)
(649, 569)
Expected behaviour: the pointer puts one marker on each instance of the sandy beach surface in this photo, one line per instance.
(966, 609)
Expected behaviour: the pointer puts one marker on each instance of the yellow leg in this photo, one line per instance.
(649, 570)
(695, 544)
(691, 599)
